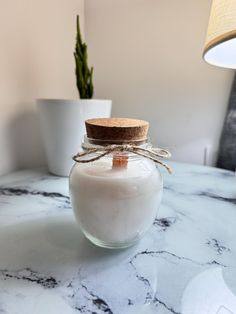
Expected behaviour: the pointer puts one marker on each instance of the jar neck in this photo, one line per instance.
(144, 150)
(94, 143)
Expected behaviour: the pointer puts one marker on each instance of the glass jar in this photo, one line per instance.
(115, 198)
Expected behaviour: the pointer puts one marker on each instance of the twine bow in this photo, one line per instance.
(150, 153)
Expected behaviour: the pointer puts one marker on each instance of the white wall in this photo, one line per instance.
(147, 59)
(36, 60)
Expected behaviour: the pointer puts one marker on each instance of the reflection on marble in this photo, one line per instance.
(47, 266)
(208, 293)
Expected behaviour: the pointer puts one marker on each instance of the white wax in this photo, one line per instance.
(115, 205)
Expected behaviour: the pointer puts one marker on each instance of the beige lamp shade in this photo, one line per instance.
(220, 46)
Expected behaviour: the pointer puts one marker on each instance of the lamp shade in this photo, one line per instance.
(220, 46)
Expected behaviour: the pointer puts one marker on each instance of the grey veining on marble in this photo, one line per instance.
(186, 263)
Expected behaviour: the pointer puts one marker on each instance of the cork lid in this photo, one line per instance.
(116, 130)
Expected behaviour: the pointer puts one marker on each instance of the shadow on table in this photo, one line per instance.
(53, 243)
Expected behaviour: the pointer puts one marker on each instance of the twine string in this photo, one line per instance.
(151, 153)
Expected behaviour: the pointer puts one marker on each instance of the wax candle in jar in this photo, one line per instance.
(115, 190)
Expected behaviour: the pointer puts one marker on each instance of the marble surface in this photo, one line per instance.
(186, 263)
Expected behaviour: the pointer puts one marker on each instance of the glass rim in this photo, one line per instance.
(106, 142)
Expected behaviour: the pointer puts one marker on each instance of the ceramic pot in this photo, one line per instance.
(62, 127)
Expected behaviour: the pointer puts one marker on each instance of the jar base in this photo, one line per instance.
(112, 245)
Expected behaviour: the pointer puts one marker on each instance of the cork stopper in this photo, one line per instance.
(116, 130)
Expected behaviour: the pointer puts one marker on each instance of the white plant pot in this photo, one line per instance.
(63, 128)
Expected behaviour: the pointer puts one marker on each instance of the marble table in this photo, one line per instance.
(186, 263)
